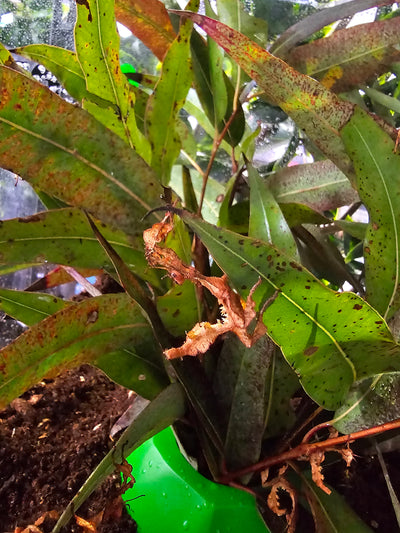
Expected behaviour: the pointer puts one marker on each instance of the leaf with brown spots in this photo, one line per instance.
(378, 180)
(149, 21)
(313, 107)
(351, 56)
(97, 49)
(69, 338)
(345, 342)
(91, 167)
(165, 103)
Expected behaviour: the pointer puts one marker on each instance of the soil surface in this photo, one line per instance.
(51, 439)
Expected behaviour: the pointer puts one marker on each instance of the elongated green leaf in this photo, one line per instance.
(149, 21)
(281, 384)
(61, 149)
(350, 57)
(218, 88)
(330, 339)
(320, 185)
(7, 60)
(29, 307)
(97, 49)
(159, 414)
(240, 386)
(233, 14)
(140, 371)
(65, 66)
(143, 374)
(166, 101)
(134, 288)
(79, 333)
(370, 402)
(315, 109)
(64, 237)
(203, 85)
(213, 197)
(267, 222)
(378, 176)
(330, 511)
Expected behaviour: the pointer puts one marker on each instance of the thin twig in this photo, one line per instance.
(217, 142)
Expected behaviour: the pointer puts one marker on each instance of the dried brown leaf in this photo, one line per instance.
(281, 484)
(237, 315)
(88, 527)
(316, 460)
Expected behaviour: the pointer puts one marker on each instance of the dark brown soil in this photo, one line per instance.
(51, 439)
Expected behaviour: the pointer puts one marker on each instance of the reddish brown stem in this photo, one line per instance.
(306, 449)
(216, 145)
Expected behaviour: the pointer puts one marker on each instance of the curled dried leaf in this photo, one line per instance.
(347, 455)
(281, 484)
(316, 460)
(236, 314)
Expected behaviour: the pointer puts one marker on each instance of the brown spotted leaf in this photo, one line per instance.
(351, 56)
(330, 339)
(90, 167)
(88, 332)
(315, 109)
(149, 21)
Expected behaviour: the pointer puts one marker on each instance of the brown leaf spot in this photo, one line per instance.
(311, 350)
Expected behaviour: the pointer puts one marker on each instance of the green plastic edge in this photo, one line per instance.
(170, 495)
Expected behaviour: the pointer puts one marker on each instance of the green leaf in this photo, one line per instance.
(64, 237)
(281, 384)
(233, 15)
(163, 411)
(80, 333)
(218, 88)
(315, 109)
(267, 222)
(141, 372)
(378, 175)
(148, 20)
(212, 199)
(330, 511)
(29, 307)
(97, 48)
(369, 403)
(165, 102)
(179, 309)
(62, 150)
(203, 85)
(351, 56)
(330, 339)
(240, 386)
(134, 288)
(320, 185)
(63, 64)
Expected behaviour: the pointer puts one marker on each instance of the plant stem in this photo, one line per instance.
(306, 449)
(217, 142)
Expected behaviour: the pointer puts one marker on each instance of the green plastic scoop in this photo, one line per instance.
(170, 495)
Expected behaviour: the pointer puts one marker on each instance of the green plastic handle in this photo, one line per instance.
(170, 495)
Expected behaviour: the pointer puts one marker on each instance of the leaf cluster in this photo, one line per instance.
(290, 299)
